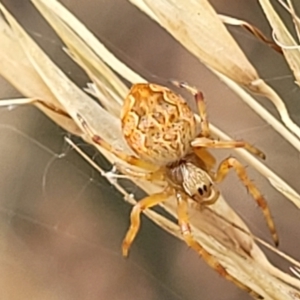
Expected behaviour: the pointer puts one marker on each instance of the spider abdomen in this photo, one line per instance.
(157, 124)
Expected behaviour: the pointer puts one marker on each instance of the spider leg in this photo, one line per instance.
(241, 172)
(135, 220)
(130, 159)
(183, 220)
(157, 175)
(200, 104)
(210, 143)
(206, 157)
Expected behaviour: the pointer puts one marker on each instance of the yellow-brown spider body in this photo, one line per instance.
(157, 124)
(160, 128)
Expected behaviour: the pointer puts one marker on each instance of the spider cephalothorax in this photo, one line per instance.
(187, 176)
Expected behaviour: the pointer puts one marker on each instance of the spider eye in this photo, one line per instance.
(200, 191)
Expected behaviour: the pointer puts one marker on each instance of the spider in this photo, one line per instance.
(161, 129)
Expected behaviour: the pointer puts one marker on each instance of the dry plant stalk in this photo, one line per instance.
(252, 29)
(196, 25)
(289, 46)
(232, 245)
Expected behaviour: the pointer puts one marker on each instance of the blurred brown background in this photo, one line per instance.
(61, 224)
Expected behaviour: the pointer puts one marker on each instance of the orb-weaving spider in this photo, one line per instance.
(161, 129)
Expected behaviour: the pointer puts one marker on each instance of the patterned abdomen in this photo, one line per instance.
(157, 124)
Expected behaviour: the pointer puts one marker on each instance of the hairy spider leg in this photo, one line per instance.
(130, 159)
(183, 220)
(203, 140)
(206, 157)
(198, 95)
(210, 143)
(223, 169)
(149, 176)
(135, 216)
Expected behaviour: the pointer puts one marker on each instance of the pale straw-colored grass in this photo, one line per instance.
(38, 78)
